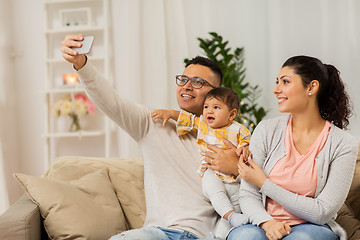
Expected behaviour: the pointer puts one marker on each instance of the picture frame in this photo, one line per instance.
(75, 17)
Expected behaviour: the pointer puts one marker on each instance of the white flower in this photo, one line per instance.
(73, 106)
(65, 107)
(79, 107)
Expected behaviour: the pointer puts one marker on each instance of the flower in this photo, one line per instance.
(74, 107)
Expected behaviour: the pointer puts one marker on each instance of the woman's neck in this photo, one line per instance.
(306, 127)
(307, 122)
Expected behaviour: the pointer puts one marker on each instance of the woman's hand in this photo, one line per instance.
(223, 160)
(250, 172)
(275, 230)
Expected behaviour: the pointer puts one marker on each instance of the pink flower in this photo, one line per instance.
(90, 106)
(81, 97)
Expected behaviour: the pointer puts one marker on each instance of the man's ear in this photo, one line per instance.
(233, 114)
(313, 87)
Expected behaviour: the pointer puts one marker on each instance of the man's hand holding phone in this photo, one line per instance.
(85, 46)
(74, 48)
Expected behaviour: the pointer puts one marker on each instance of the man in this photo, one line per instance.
(176, 207)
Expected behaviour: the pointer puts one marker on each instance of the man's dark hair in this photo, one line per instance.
(227, 95)
(207, 62)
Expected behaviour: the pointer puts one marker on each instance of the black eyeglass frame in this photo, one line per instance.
(203, 81)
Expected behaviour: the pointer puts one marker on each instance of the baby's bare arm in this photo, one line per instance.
(165, 115)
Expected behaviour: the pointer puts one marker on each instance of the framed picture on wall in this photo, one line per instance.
(75, 17)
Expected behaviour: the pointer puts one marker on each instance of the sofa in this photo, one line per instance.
(64, 200)
(60, 204)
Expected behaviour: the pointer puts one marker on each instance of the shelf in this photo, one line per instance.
(63, 17)
(73, 29)
(77, 88)
(66, 1)
(74, 134)
(61, 60)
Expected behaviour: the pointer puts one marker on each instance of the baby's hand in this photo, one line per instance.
(243, 151)
(161, 114)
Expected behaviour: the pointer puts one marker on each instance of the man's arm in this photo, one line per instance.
(132, 118)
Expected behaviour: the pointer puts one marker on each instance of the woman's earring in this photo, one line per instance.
(309, 93)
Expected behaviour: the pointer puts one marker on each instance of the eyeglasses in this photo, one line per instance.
(195, 82)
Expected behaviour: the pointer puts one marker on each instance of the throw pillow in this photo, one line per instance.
(86, 208)
(126, 175)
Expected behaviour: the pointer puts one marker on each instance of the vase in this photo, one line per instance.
(75, 123)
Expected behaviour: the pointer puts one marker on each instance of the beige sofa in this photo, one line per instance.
(26, 220)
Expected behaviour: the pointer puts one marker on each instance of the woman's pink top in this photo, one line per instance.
(296, 173)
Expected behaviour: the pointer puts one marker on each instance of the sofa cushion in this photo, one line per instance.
(353, 198)
(348, 221)
(85, 208)
(126, 175)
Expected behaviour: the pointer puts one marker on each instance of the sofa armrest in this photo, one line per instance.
(22, 221)
(354, 193)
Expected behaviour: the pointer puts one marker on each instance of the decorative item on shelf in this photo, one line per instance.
(75, 17)
(74, 107)
(70, 79)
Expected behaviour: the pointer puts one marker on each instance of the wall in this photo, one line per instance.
(28, 42)
(8, 109)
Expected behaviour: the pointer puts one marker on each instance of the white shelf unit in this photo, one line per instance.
(95, 135)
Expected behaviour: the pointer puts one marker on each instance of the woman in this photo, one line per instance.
(303, 163)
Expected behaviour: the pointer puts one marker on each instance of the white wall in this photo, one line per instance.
(268, 33)
(28, 41)
(8, 108)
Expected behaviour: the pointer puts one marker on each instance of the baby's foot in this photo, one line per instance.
(237, 219)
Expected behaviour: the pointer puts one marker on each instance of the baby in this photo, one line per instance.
(216, 123)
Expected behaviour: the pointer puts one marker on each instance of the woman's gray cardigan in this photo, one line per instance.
(335, 163)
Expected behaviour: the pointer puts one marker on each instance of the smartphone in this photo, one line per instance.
(86, 45)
